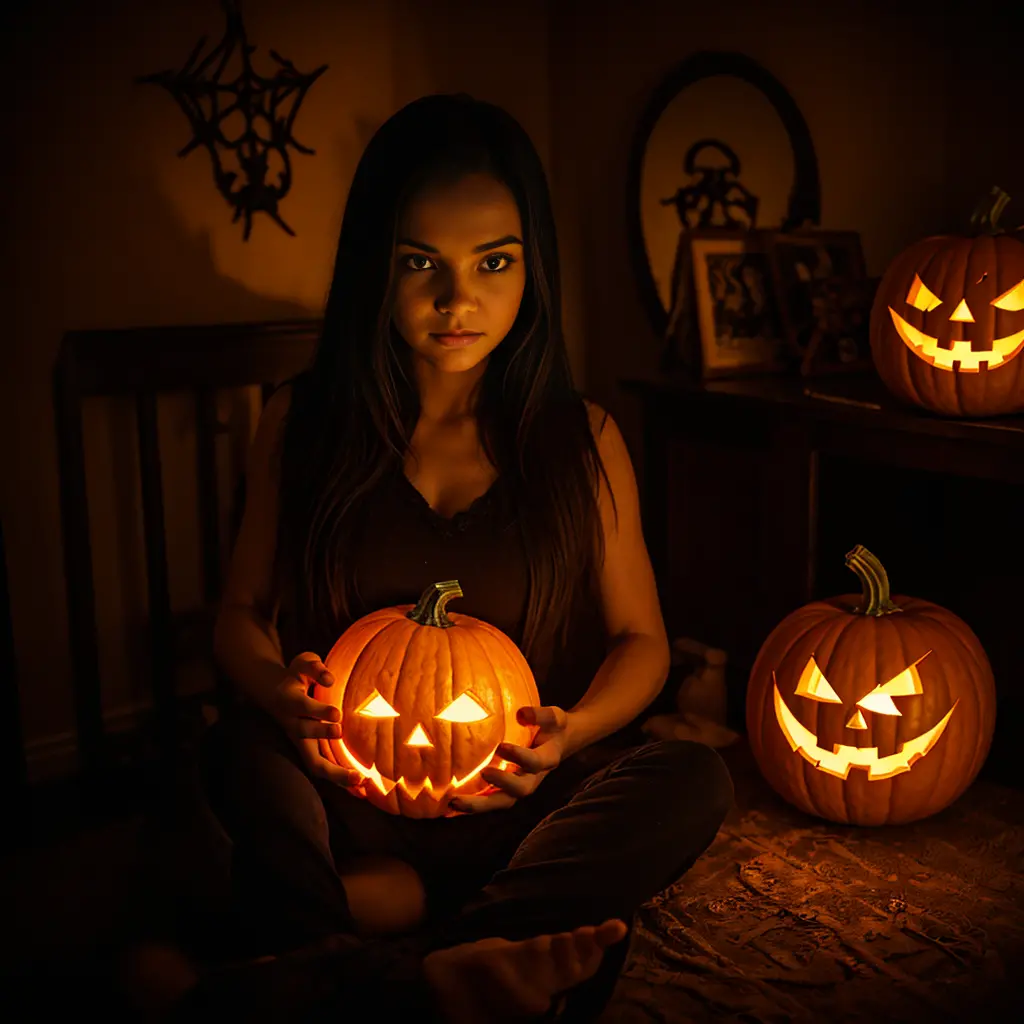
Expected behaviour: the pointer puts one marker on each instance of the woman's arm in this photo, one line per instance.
(245, 642)
(638, 660)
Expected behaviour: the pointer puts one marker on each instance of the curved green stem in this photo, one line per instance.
(873, 581)
(989, 210)
(430, 609)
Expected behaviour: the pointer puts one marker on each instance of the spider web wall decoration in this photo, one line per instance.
(241, 117)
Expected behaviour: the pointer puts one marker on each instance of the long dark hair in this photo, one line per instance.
(352, 414)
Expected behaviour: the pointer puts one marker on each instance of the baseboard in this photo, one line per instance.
(54, 757)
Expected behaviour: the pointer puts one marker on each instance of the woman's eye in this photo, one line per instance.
(416, 256)
(498, 256)
(505, 261)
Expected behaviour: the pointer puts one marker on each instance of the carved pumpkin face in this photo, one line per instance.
(426, 697)
(871, 711)
(841, 757)
(947, 326)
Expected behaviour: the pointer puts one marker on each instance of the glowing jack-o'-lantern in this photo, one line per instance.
(947, 324)
(872, 711)
(426, 697)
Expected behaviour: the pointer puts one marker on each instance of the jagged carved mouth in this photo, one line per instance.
(413, 789)
(842, 758)
(960, 356)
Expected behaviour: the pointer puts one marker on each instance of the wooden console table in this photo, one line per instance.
(730, 488)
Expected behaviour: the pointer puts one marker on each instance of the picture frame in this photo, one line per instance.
(739, 322)
(824, 298)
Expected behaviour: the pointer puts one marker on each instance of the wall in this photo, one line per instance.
(112, 229)
(910, 116)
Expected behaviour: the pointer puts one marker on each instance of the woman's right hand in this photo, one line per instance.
(307, 721)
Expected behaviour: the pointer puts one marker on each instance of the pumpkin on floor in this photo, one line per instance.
(872, 710)
(426, 696)
(947, 323)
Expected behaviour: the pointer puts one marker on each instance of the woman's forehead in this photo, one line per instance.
(461, 213)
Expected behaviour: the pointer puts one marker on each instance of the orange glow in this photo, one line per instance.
(927, 348)
(843, 757)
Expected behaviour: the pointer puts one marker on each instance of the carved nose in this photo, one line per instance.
(419, 738)
(856, 721)
(962, 313)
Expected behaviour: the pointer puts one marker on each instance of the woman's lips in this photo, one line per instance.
(455, 340)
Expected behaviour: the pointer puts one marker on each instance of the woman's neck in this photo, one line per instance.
(448, 399)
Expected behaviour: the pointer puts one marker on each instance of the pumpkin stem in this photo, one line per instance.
(430, 609)
(874, 582)
(987, 213)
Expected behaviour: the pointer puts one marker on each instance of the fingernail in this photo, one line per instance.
(327, 679)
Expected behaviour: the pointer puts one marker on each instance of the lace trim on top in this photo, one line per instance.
(457, 522)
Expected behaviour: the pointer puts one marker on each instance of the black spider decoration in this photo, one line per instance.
(210, 94)
(715, 187)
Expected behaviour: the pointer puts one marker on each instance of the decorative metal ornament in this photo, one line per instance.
(716, 190)
(215, 88)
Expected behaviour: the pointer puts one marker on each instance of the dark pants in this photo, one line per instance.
(602, 834)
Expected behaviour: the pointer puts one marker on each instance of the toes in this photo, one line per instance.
(611, 931)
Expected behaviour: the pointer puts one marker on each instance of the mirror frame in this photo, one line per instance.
(805, 195)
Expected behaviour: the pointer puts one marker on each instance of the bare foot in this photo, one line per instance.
(494, 980)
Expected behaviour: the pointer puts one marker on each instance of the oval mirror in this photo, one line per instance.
(720, 124)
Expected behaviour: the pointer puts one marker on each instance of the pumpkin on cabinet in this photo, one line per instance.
(947, 323)
(426, 696)
(872, 710)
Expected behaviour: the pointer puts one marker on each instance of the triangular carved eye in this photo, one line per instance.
(377, 707)
(904, 684)
(464, 709)
(1012, 300)
(814, 685)
(920, 297)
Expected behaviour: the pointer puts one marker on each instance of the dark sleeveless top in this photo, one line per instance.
(404, 546)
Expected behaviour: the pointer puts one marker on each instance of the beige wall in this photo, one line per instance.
(111, 229)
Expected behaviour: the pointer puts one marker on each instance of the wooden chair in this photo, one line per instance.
(144, 363)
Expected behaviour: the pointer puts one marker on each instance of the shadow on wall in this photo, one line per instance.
(142, 268)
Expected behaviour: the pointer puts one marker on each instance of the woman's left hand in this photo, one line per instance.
(534, 762)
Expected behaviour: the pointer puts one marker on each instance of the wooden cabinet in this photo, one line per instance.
(753, 490)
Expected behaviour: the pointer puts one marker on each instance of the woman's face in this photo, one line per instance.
(458, 267)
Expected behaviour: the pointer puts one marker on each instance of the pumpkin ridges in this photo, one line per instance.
(983, 704)
(937, 699)
(341, 661)
(419, 669)
(854, 661)
(383, 664)
(465, 653)
(851, 636)
(989, 391)
(522, 690)
(425, 661)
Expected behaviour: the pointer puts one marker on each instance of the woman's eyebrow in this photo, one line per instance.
(505, 240)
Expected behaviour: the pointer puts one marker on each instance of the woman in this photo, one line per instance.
(412, 452)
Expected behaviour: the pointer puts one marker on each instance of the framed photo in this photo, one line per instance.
(825, 299)
(739, 323)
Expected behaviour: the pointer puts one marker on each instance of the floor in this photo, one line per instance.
(787, 918)
(784, 918)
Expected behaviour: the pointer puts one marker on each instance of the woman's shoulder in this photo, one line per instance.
(597, 415)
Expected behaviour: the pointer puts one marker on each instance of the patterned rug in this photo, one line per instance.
(790, 918)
